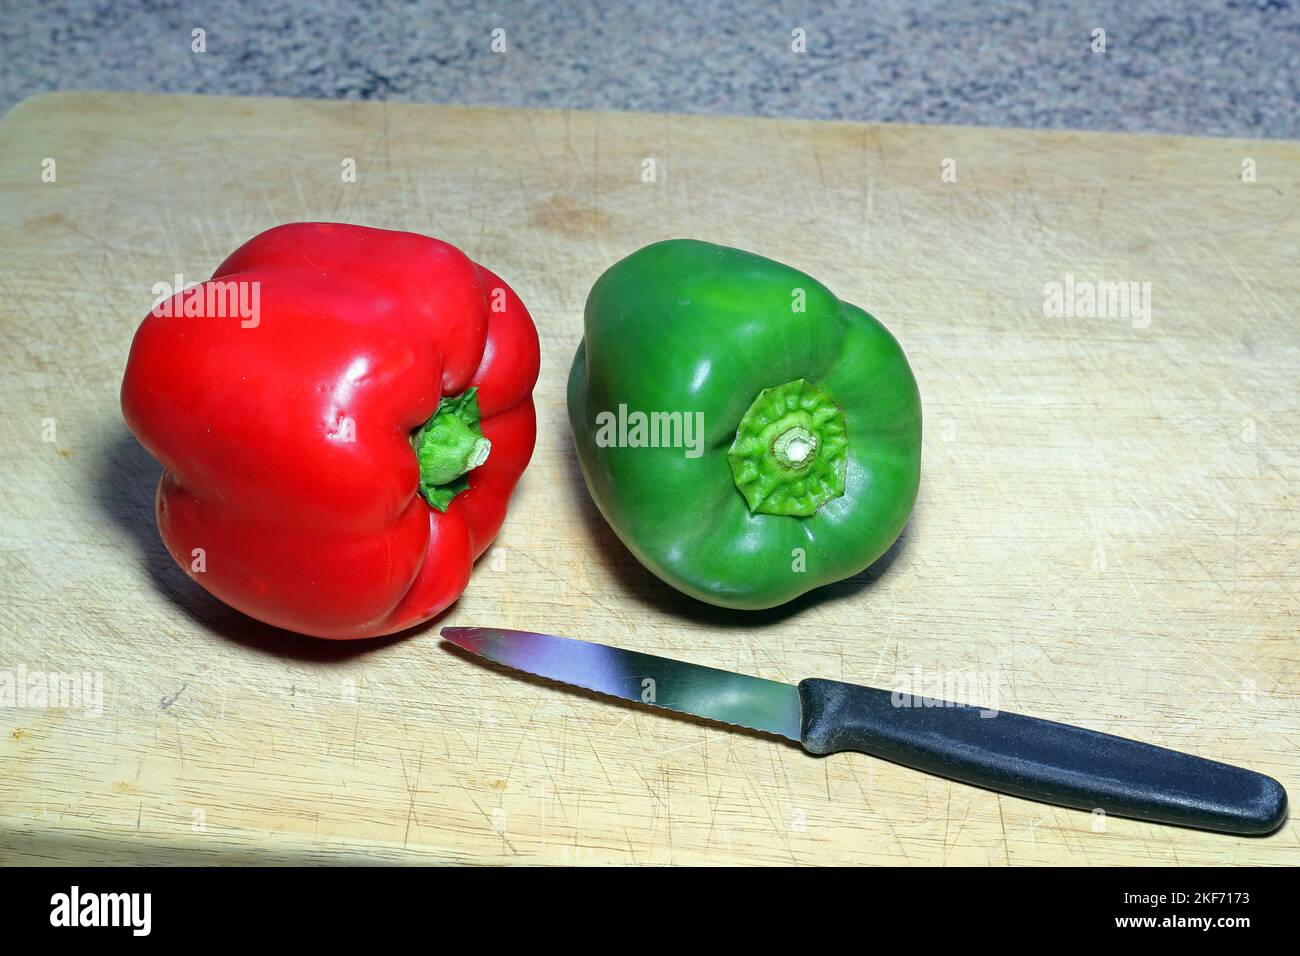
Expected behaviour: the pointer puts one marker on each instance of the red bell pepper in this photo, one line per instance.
(337, 457)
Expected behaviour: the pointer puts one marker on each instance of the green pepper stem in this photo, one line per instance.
(795, 448)
(790, 454)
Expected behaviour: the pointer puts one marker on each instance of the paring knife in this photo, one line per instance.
(1010, 753)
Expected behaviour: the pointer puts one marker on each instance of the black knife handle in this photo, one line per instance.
(1041, 760)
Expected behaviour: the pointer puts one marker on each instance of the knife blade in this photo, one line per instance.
(1026, 757)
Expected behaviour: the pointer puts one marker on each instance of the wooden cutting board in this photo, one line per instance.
(1106, 532)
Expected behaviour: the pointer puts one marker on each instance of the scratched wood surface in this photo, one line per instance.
(1106, 532)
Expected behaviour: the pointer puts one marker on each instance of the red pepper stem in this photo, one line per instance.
(449, 446)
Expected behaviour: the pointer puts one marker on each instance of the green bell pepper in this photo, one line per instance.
(745, 433)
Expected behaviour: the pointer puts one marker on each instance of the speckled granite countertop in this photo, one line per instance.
(1224, 69)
